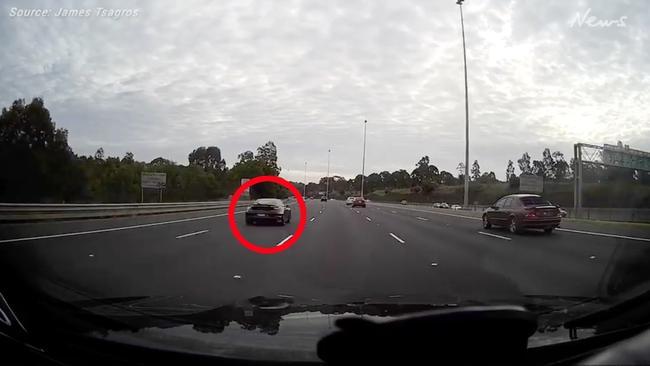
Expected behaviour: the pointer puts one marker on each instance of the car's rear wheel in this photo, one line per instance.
(486, 223)
(513, 226)
(548, 230)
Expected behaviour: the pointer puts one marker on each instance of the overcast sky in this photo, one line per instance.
(305, 74)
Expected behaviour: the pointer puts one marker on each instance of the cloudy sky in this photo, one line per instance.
(305, 74)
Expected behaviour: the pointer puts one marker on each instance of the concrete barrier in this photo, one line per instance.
(37, 212)
(611, 214)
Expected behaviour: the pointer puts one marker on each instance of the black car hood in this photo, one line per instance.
(274, 328)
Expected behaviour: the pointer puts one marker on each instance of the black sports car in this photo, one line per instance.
(270, 210)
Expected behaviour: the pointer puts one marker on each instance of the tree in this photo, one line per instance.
(461, 170)
(128, 158)
(246, 156)
(424, 172)
(387, 179)
(160, 161)
(476, 171)
(561, 168)
(524, 164)
(99, 154)
(548, 164)
(538, 168)
(447, 178)
(267, 154)
(401, 178)
(37, 163)
(510, 170)
(208, 158)
(488, 178)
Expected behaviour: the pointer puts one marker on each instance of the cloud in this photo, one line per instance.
(306, 74)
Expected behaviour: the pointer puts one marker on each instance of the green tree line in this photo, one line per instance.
(38, 165)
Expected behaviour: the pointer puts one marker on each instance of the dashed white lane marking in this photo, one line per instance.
(115, 228)
(604, 234)
(284, 240)
(393, 212)
(397, 238)
(191, 234)
(368, 218)
(422, 218)
(357, 211)
(312, 219)
(284, 296)
(495, 236)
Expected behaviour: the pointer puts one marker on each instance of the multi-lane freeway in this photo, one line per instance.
(381, 253)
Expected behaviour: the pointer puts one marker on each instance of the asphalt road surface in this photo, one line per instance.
(380, 253)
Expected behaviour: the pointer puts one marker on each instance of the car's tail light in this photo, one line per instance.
(531, 213)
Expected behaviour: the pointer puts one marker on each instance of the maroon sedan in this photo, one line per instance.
(359, 202)
(522, 211)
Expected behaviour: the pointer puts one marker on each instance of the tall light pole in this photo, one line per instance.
(462, 27)
(363, 163)
(327, 185)
(304, 190)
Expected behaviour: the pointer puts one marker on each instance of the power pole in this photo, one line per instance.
(466, 193)
(363, 164)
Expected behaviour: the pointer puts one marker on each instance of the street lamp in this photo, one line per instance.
(466, 193)
(363, 164)
(304, 189)
(327, 185)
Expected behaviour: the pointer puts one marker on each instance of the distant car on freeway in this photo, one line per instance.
(522, 211)
(323, 198)
(359, 202)
(436, 204)
(349, 201)
(269, 210)
(456, 207)
(403, 202)
(444, 205)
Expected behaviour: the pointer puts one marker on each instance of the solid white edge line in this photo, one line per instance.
(603, 234)
(396, 238)
(368, 218)
(192, 234)
(495, 236)
(435, 213)
(558, 229)
(115, 228)
(284, 240)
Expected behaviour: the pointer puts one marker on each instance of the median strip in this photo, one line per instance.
(495, 236)
(191, 234)
(77, 233)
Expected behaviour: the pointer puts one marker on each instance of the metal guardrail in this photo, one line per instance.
(37, 211)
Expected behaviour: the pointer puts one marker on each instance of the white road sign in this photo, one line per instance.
(153, 180)
(247, 191)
